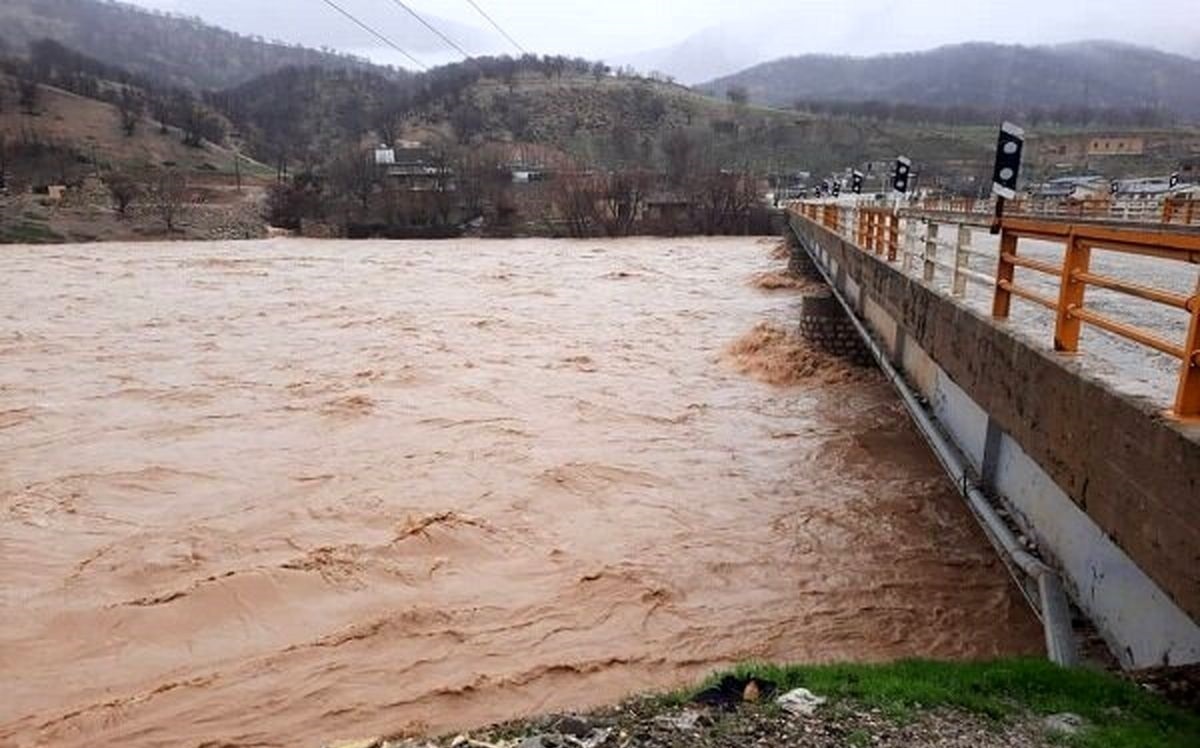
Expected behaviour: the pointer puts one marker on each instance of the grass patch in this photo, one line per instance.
(28, 232)
(1119, 713)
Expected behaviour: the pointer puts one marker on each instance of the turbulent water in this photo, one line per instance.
(282, 492)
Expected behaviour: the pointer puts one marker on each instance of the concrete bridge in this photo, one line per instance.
(1054, 366)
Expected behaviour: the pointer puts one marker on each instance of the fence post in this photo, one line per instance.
(1187, 397)
(1070, 295)
(930, 266)
(962, 260)
(893, 235)
(1002, 301)
(910, 242)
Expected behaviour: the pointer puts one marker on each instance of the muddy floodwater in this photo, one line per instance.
(278, 493)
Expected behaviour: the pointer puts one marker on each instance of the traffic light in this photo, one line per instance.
(901, 174)
(856, 182)
(1114, 187)
(1008, 161)
(837, 188)
(1174, 181)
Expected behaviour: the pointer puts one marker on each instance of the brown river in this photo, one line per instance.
(277, 493)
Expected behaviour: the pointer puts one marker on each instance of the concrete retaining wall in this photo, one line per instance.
(1108, 487)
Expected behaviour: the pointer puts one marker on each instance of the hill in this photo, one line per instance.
(576, 110)
(1013, 79)
(174, 50)
(94, 130)
(313, 24)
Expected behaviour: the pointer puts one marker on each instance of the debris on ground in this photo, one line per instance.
(1065, 723)
(732, 690)
(800, 702)
(1179, 684)
(736, 723)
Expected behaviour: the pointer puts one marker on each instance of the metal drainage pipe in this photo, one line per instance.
(1051, 605)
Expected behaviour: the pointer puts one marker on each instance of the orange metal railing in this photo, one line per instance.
(1180, 210)
(1183, 211)
(877, 230)
(1075, 277)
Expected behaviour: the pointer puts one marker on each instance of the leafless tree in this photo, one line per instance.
(679, 148)
(443, 196)
(130, 108)
(624, 198)
(577, 200)
(3, 164)
(480, 179)
(123, 188)
(353, 174)
(28, 95)
(721, 201)
(168, 195)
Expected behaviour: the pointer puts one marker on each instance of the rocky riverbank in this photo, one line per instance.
(904, 705)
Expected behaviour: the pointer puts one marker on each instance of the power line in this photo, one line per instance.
(497, 26)
(374, 33)
(430, 26)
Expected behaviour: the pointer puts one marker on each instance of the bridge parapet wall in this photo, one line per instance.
(1108, 486)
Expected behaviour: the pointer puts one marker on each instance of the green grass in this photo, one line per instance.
(28, 232)
(1119, 714)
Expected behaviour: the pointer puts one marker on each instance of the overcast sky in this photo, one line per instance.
(749, 30)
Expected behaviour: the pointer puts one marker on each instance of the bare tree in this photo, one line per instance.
(3, 164)
(624, 198)
(444, 195)
(577, 200)
(168, 194)
(353, 174)
(123, 188)
(738, 95)
(28, 95)
(130, 108)
(161, 108)
(481, 177)
(679, 148)
(199, 124)
(721, 201)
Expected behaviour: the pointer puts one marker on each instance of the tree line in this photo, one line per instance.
(1067, 114)
(683, 189)
(134, 96)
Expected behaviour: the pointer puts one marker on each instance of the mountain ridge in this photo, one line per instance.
(1097, 74)
(174, 49)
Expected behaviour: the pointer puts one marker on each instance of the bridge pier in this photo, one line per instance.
(824, 323)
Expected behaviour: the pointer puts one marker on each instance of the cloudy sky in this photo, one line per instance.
(744, 31)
